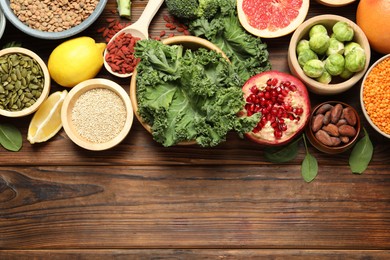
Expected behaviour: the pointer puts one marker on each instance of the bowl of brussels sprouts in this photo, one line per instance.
(329, 53)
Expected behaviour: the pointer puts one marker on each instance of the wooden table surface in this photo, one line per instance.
(141, 200)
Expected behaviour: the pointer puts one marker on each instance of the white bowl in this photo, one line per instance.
(5, 6)
(362, 100)
(2, 23)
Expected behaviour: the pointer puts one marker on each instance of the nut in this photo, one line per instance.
(331, 129)
(324, 137)
(347, 130)
(349, 115)
(335, 113)
(317, 122)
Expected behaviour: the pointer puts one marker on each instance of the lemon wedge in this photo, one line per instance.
(46, 122)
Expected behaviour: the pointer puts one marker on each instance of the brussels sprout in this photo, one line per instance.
(346, 74)
(343, 31)
(318, 28)
(355, 60)
(335, 46)
(334, 64)
(319, 43)
(305, 56)
(313, 68)
(350, 46)
(302, 45)
(325, 78)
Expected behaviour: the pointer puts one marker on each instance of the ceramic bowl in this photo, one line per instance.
(2, 23)
(94, 113)
(302, 33)
(46, 83)
(188, 42)
(343, 146)
(384, 99)
(10, 15)
(335, 3)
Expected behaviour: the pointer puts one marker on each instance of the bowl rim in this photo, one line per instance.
(75, 93)
(8, 12)
(335, 4)
(319, 88)
(46, 84)
(336, 149)
(2, 23)
(387, 56)
(171, 40)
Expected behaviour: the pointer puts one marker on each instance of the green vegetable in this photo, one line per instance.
(350, 46)
(283, 154)
(302, 45)
(318, 28)
(335, 46)
(309, 167)
(361, 154)
(319, 43)
(188, 95)
(343, 31)
(325, 78)
(314, 68)
(191, 9)
(306, 55)
(124, 8)
(346, 74)
(334, 64)
(247, 53)
(355, 60)
(10, 137)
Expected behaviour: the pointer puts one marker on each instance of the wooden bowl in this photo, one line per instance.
(335, 3)
(46, 85)
(188, 42)
(332, 149)
(302, 33)
(384, 74)
(69, 104)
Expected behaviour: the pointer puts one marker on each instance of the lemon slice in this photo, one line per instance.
(46, 122)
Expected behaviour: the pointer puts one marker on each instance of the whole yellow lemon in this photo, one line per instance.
(76, 60)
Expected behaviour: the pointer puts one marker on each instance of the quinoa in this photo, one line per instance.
(99, 115)
(376, 95)
(53, 16)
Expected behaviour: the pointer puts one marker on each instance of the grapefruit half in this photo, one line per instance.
(271, 18)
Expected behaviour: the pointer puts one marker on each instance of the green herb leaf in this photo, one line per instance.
(361, 154)
(283, 154)
(309, 168)
(10, 137)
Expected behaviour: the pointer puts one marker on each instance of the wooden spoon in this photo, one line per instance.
(138, 29)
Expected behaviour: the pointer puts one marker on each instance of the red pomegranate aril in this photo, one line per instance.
(254, 89)
(278, 134)
(274, 81)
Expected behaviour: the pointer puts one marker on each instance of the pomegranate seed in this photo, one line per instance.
(286, 83)
(267, 95)
(283, 127)
(274, 81)
(261, 94)
(278, 134)
(254, 89)
(292, 87)
(299, 111)
(269, 82)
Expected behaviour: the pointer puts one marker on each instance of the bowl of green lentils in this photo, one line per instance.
(52, 19)
(24, 82)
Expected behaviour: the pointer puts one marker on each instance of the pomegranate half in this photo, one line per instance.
(284, 103)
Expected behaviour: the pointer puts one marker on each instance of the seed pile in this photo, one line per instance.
(21, 81)
(99, 115)
(53, 16)
(376, 95)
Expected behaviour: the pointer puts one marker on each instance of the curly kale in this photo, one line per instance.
(248, 54)
(191, 9)
(198, 99)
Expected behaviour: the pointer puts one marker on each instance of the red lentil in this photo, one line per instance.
(120, 53)
(376, 95)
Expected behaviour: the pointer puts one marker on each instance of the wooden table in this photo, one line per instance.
(141, 200)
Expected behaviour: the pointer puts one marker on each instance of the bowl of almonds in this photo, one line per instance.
(52, 19)
(25, 82)
(334, 127)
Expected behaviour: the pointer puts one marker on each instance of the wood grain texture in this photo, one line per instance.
(143, 201)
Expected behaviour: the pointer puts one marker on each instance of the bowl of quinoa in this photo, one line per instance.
(52, 20)
(97, 114)
(375, 96)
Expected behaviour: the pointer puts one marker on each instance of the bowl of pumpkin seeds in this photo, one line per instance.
(24, 82)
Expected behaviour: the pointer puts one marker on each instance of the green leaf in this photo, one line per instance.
(283, 154)
(361, 154)
(309, 168)
(10, 137)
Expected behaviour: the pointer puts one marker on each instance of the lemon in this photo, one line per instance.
(46, 122)
(76, 60)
